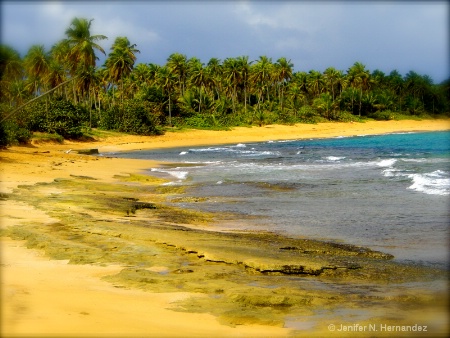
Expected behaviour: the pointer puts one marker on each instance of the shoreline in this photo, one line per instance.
(273, 133)
(42, 301)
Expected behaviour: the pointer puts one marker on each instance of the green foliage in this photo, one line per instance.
(385, 115)
(58, 117)
(307, 114)
(187, 93)
(199, 121)
(134, 116)
(46, 137)
(388, 115)
(12, 133)
(345, 116)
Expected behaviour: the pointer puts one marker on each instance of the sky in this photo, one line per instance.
(383, 35)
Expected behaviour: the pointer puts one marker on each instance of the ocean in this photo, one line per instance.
(387, 192)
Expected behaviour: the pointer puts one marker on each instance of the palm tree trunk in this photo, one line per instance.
(245, 99)
(360, 99)
(234, 98)
(170, 113)
(121, 93)
(200, 101)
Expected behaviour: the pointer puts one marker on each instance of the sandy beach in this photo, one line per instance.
(45, 297)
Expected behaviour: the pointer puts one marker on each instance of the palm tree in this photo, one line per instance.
(167, 81)
(379, 79)
(81, 46)
(142, 74)
(396, 83)
(295, 98)
(325, 104)
(315, 82)
(342, 82)
(231, 71)
(384, 99)
(18, 93)
(120, 61)
(59, 56)
(177, 63)
(332, 77)
(55, 75)
(37, 66)
(301, 80)
(261, 73)
(214, 68)
(418, 85)
(11, 70)
(283, 69)
(348, 97)
(153, 70)
(359, 78)
(198, 77)
(244, 70)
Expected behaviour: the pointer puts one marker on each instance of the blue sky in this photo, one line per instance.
(383, 35)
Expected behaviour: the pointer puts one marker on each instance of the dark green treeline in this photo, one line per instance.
(185, 92)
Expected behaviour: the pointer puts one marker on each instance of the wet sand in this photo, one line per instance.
(48, 297)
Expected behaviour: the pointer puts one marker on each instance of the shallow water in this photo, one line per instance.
(388, 192)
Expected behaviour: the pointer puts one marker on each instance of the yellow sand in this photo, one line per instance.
(44, 297)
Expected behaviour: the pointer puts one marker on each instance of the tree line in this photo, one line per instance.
(147, 98)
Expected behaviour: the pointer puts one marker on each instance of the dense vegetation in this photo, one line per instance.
(147, 98)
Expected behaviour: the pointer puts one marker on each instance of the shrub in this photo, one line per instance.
(385, 115)
(12, 133)
(345, 116)
(307, 114)
(134, 116)
(58, 117)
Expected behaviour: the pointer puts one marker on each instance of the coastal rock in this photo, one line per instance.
(90, 151)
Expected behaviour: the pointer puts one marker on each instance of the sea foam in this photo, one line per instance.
(386, 163)
(434, 183)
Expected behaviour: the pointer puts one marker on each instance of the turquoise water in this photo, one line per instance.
(388, 192)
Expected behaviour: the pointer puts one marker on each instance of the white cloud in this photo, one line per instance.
(253, 18)
(55, 10)
(114, 27)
